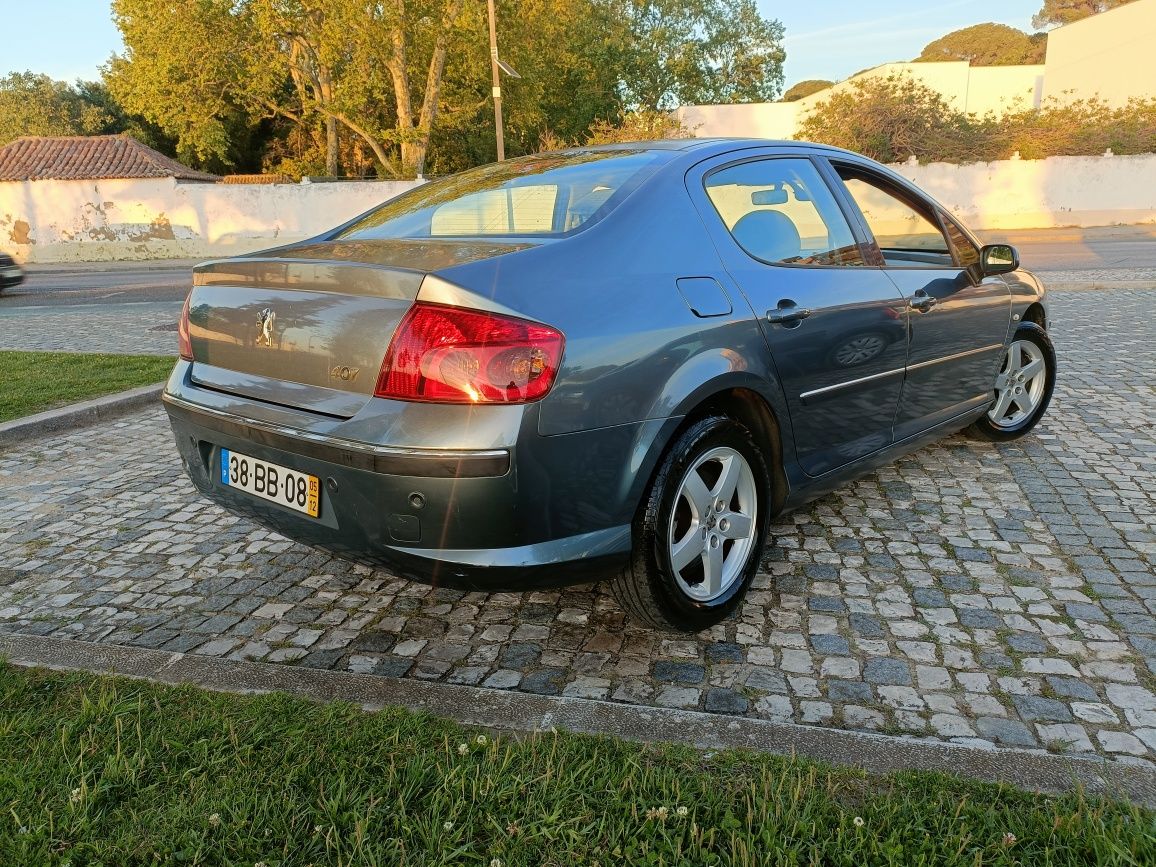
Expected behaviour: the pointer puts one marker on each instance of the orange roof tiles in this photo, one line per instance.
(40, 158)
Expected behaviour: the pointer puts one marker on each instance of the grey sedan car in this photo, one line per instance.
(617, 362)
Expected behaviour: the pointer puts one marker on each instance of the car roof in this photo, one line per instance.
(710, 145)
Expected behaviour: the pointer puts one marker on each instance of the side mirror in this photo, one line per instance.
(998, 259)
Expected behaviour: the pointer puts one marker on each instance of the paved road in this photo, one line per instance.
(1044, 250)
(103, 284)
(1122, 253)
(988, 595)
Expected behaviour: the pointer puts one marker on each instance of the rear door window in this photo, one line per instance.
(780, 211)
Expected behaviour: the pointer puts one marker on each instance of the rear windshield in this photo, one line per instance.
(542, 195)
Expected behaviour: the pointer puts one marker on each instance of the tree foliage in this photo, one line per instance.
(698, 52)
(32, 104)
(888, 119)
(181, 69)
(1056, 13)
(403, 85)
(806, 88)
(568, 55)
(894, 118)
(987, 45)
(205, 66)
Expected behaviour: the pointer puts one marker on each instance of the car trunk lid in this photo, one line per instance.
(308, 326)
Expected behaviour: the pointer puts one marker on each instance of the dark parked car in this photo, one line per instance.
(617, 361)
(10, 273)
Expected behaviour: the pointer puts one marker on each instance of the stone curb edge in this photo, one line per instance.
(524, 712)
(105, 265)
(1093, 285)
(80, 414)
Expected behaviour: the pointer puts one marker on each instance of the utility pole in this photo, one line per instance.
(497, 82)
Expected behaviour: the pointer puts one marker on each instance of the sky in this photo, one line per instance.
(70, 39)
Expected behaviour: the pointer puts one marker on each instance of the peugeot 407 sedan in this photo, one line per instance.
(618, 362)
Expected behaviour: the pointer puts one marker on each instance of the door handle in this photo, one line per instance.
(787, 311)
(922, 301)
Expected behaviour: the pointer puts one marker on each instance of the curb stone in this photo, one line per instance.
(80, 414)
(106, 265)
(1092, 285)
(523, 712)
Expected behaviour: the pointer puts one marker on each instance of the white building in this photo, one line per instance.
(1106, 56)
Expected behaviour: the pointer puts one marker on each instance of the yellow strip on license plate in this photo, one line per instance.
(273, 482)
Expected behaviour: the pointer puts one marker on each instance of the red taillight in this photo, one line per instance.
(450, 355)
(184, 343)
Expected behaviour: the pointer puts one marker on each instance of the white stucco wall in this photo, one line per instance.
(755, 119)
(1107, 55)
(971, 89)
(977, 90)
(61, 221)
(1030, 194)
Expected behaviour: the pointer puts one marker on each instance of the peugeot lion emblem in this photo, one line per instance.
(265, 320)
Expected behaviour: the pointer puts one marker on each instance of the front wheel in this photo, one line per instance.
(699, 534)
(1023, 386)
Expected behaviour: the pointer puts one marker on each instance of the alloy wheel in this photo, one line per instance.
(713, 524)
(1020, 384)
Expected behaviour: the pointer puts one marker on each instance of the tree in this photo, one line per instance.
(681, 52)
(806, 88)
(890, 119)
(118, 120)
(644, 125)
(569, 55)
(33, 104)
(375, 69)
(987, 45)
(1056, 13)
(401, 86)
(196, 71)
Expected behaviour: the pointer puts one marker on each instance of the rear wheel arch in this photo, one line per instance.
(740, 401)
(750, 409)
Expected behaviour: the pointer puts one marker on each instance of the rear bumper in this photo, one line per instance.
(480, 523)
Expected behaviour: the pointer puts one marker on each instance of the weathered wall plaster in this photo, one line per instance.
(62, 221)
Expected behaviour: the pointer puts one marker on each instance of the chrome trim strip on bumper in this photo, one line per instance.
(387, 460)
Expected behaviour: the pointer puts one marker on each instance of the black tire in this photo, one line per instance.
(985, 429)
(647, 587)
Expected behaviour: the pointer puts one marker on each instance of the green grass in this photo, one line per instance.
(36, 381)
(98, 770)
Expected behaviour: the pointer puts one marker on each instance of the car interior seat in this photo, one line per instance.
(768, 235)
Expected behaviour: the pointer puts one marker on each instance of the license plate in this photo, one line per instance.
(273, 482)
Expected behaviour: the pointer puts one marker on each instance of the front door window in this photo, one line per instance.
(906, 235)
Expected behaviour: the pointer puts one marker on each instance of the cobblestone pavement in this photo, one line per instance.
(970, 592)
(148, 328)
(1097, 275)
